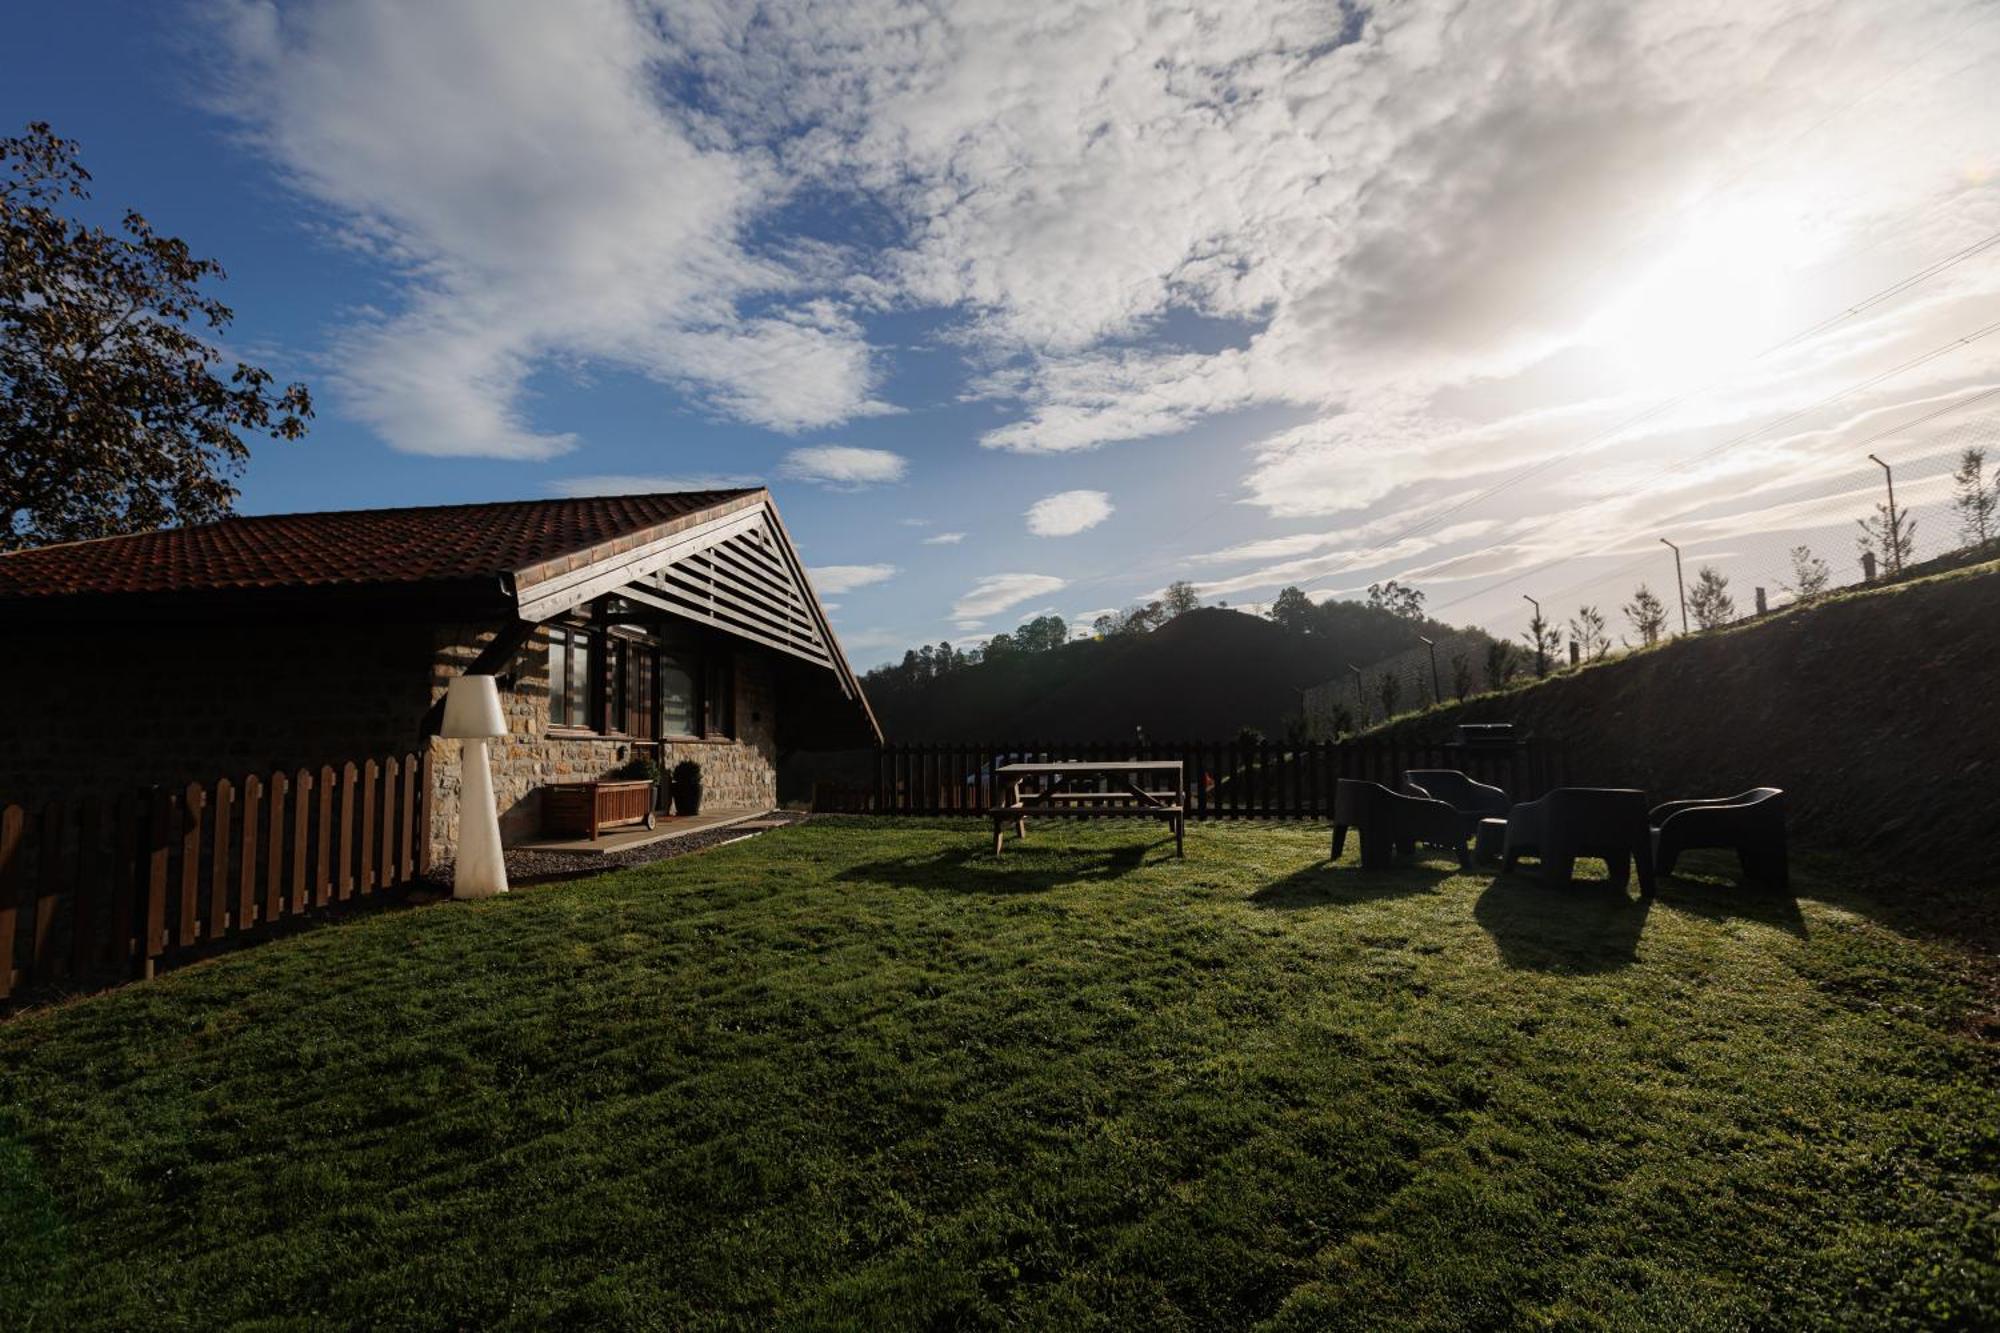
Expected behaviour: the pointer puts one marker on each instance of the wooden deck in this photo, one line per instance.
(670, 826)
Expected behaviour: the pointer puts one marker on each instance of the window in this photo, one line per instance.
(569, 678)
(612, 684)
(677, 697)
(637, 667)
(718, 696)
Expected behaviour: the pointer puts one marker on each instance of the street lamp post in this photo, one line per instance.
(1894, 537)
(1680, 582)
(1360, 703)
(1541, 657)
(1437, 692)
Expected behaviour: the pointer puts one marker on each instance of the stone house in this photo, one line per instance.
(671, 626)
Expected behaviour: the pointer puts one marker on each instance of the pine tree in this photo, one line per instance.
(1586, 630)
(1889, 537)
(1810, 575)
(1709, 599)
(1976, 505)
(1648, 615)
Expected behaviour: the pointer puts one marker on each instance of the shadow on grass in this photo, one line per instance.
(1585, 928)
(1713, 894)
(1025, 868)
(1331, 885)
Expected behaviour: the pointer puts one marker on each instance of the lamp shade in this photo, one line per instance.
(472, 709)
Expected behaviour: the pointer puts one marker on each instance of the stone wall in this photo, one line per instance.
(741, 772)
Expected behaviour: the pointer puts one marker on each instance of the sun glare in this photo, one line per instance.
(1706, 306)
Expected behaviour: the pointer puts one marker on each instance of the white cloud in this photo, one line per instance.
(944, 539)
(834, 579)
(630, 484)
(843, 466)
(998, 592)
(1067, 513)
(1435, 243)
(514, 164)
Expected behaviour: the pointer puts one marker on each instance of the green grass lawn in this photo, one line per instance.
(860, 1074)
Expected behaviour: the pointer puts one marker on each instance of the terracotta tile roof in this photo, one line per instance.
(435, 543)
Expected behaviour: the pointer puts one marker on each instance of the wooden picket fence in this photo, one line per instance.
(1225, 779)
(95, 890)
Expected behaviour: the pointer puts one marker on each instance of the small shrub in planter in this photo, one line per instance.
(649, 770)
(687, 787)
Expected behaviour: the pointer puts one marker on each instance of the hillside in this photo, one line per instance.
(1877, 710)
(1202, 675)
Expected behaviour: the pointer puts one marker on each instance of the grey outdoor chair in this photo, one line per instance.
(1607, 822)
(1751, 823)
(1390, 822)
(1473, 799)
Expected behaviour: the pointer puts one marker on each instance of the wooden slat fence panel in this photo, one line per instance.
(1236, 780)
(103, 886)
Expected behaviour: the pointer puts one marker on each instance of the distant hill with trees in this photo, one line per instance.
(1172, 667)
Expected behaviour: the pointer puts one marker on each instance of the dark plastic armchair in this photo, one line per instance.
(1607, 822)
(1474, 800)
(1390, 822)
(1751, 823)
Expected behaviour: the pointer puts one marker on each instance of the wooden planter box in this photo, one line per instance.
(584, 809)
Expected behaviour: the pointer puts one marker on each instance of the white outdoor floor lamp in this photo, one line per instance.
(472, 714)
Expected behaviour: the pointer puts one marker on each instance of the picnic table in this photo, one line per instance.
(1051, 789)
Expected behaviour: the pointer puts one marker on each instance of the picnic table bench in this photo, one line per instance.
(1044, 788)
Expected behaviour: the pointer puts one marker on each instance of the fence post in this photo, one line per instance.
(323, 861)
(12, 877)
(218, 876)
(159, 833)
(194, 800)
(274, 853)
(87, 905)
(246, 874)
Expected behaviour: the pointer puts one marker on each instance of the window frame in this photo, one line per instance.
(623, 671)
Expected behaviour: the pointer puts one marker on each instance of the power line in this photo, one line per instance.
(1766, 429)
(1612, 432)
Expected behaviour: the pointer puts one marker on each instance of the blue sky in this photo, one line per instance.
(1259, 294)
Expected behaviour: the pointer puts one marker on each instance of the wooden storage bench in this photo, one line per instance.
(584, 809)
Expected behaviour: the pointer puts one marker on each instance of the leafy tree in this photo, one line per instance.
(114, 417)
(1586, 631)
(1973, 501)
(1248, 737)
(1648, 615)
(1500, 664)
(1888, 537)
(1396, 599)
(1544, 638)
(1709, 599)
(1293, 611)
(1810, 575)
(1181, 598)
(1461, 675)
(1389, 688)
(1042, 634)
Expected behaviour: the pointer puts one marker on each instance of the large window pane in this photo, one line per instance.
(677, 700)
(558, 677)
(639, 672)
(578, 691)
(719, 697)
